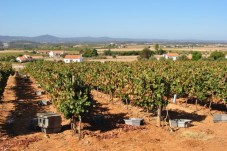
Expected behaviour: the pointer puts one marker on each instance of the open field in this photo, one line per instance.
(117, 59)
(15, 53)
(140, 47)
(207, 48)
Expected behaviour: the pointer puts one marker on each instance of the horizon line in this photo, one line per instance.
(168, 39)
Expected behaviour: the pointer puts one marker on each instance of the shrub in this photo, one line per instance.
(146, 53)
(216, 55)
(196, 55)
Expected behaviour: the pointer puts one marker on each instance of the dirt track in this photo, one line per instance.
(20, 105)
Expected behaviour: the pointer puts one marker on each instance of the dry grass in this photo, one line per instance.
(117, 59)
(202, 49)
(11, 51)
(196, 135)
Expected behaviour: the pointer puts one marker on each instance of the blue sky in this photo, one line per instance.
(152, 19)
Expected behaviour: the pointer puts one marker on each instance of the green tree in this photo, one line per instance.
(156, 47)
(146, 53)
(90, 53)
(107, 52)
(94, 52)
(217, 55)
(196, 55)
(158, 51)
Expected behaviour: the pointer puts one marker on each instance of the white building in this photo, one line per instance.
(171, 56)
(73, 58)
(55, 53)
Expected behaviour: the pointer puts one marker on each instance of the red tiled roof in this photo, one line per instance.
(172, 54)
(72, 57)
(23, 58)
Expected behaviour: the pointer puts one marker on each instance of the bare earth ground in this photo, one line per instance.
(20, 105)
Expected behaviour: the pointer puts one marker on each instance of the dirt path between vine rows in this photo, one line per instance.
(19, 106)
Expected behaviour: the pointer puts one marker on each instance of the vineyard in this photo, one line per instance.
(5, 71)
(98, 97)
(145, 84)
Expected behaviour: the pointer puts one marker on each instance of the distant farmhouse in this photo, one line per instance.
(56, 53)
(43, 52)
(24, 58)
(73, 58)
(171, 56)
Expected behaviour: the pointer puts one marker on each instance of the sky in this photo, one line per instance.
(143, 19)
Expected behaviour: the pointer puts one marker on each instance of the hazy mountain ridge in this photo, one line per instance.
(54, 39)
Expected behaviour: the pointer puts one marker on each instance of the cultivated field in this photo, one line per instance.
(140, 47)
(207, 48)
(104, 90)
(20, 103)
